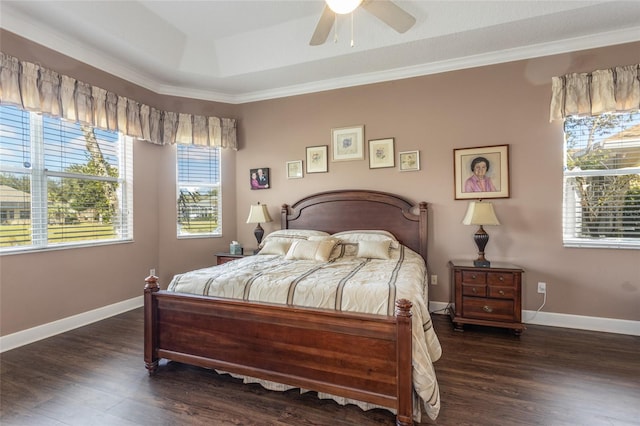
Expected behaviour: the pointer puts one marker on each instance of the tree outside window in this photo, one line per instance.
(602, 179)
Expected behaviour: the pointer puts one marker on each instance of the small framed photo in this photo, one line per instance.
(317, 160)
(294, 169)
(481, 172)
(259, 178)
(381, 153)
(347, 143)
(409, 161)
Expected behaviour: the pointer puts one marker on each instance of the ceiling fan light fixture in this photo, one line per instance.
(343, 7)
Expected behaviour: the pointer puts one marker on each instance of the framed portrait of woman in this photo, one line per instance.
(481, 172)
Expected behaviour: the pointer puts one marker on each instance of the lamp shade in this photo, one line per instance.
(343, 6)
(479, 213)
(259, 214)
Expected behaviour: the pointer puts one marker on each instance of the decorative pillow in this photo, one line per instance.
(292, 235)
(374, 249)
(310, 250)
(338, 248)
(275, 247)
(367, 235)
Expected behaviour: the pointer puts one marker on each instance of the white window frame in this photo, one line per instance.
(39, 194)
(570, 223)
(217, 232)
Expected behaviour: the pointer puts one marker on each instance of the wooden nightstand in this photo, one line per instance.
(489, 296)
(228, 257)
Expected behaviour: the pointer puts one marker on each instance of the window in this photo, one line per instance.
(198, 195)
(602, 181)
(62, 183)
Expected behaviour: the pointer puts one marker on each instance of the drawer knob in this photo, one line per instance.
(474, 276)
(501, 278)
(473, 290)
(487, 308)
(501, 292)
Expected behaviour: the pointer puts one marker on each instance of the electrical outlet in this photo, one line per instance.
(542, 287)
(434, 280)
(152, 272)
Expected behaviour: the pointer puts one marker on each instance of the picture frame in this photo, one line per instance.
(317, 159)
(294, 169)
(381, 153)
(347, 143)
(409, 161)
(259, 178)
(472, 180)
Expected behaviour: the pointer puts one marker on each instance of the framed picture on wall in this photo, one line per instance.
(409, 161)
(347, 143)
(481, 172)
(317, 161)
(259, 178)
(294, 169)
(381, 153)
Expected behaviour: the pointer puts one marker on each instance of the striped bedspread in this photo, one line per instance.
(346, 283)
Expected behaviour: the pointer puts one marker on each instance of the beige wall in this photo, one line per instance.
(501, 104)
(39, 288)
(493, 105)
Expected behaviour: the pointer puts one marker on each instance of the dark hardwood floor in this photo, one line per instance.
(95, 375)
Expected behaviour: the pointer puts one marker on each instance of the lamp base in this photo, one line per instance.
(481, 238)
(482, 263)
(258, 232)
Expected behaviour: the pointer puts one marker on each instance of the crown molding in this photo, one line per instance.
(17, 22)
(491, 58)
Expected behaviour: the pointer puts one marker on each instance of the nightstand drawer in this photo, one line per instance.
(490, 309)
(474, 277)
(228, 257)
(502, 292)
(474, 290)
(500, 278)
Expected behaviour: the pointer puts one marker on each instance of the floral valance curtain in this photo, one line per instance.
(35, 88)
(611, 90)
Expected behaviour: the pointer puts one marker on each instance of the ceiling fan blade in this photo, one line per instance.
(390, 13)
(323, 28)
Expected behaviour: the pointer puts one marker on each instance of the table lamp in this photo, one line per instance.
(259, 214)
(479, 213)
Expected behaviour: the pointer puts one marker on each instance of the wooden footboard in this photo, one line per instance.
(358, 356)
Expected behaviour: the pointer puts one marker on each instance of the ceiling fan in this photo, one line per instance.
(385, 10)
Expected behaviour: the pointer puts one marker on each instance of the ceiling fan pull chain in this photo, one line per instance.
(351, 29)
(335, 27)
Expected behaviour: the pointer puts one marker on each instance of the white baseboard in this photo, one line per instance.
(579, 322)
(21, 338)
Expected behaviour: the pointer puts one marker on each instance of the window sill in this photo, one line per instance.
(30, 250)
(608, 244)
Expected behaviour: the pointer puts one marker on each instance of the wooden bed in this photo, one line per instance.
(363, 357)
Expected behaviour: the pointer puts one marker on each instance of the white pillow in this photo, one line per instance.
(367, 235)
(292, 235)
(310, 250)
(374, 249)
(275, 247)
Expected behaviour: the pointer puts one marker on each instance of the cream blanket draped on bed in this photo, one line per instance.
(345, 283)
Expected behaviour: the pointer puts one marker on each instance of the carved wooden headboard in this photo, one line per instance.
(345, 210)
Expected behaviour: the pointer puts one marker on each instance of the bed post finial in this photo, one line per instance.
(403, 308)
(284, 211)
(151, 283)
